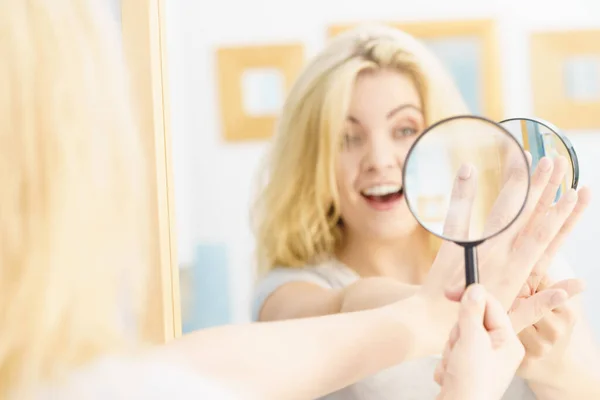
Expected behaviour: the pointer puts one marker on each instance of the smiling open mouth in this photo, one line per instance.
(383, 195)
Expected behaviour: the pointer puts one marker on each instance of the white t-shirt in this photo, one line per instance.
(412, 380)
(121, 378)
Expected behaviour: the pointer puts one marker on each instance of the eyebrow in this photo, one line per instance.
(390, 114)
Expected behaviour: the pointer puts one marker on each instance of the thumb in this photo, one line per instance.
(530, 310)
(571, 286)
(455, 293)
(472, 312)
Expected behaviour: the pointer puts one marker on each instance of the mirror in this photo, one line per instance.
(542, 139)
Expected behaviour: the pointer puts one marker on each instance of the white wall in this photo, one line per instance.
(212, 180)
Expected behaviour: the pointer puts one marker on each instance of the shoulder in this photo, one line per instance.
(329, 275)
(128, 378)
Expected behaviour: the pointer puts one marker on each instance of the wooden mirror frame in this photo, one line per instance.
(143, 29)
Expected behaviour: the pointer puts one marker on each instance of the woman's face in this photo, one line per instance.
(383, 121)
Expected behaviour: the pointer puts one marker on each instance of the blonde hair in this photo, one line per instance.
(296, 213)
(72, 200)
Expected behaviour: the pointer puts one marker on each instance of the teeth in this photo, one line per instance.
(381, 190)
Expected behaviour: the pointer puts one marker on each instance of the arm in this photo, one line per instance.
(300, 298)
(304, 358)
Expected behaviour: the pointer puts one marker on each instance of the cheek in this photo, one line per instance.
(346, 174)
(404, 147)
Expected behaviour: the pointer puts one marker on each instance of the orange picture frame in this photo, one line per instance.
(236, 123)
(550, 53)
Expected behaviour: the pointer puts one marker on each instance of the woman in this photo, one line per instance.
(73, 235)
(335, 235)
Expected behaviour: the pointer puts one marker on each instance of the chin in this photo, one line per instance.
(392, 231)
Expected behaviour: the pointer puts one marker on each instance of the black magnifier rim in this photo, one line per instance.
(410, 152)
(563, 138)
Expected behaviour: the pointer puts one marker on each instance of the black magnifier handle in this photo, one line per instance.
(471, 267)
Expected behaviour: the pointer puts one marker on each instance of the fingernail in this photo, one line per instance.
(464, 172)
(571, 195)
(476, 294)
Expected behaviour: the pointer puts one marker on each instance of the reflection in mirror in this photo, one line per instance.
(542, 139)
(218, 139)
(205, 283)
(582, 78)
(262, 91)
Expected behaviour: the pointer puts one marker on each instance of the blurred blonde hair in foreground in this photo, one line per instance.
(296, 213)
(72, 200)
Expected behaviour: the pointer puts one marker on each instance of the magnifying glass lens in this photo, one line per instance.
(466, 179)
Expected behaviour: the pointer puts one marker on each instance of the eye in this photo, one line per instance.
(405, 131)
(351, 140)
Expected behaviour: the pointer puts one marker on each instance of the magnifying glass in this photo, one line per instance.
(466, 179)
(542, 139)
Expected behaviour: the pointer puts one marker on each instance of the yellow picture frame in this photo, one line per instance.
(236, 123)
(549, 52)
(485, 30)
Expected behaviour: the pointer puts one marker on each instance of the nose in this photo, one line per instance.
(381, 155)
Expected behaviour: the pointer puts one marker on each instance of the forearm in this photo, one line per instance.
(303, 358)
(370, 293)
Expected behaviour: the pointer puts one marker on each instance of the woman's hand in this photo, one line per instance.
(529, 310)
(547, 340)
(507, 260)
(549, 335)
(482, 353)
(550, 324)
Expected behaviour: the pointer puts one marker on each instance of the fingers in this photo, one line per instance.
(512, 154)
(584, 197)
(513, 350)
(556, 172)
(458, 218)
(455, 293)
(496, 318)
(571, 286)
(583, 200)
(529, 311)
(540, 339)
(559, 322)
(537, 240)
(549, 194)
(539, 181)
(511, 198)
(454, 335)
(556, 325)
(534, 346)
(471, 314)
(440, 371)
